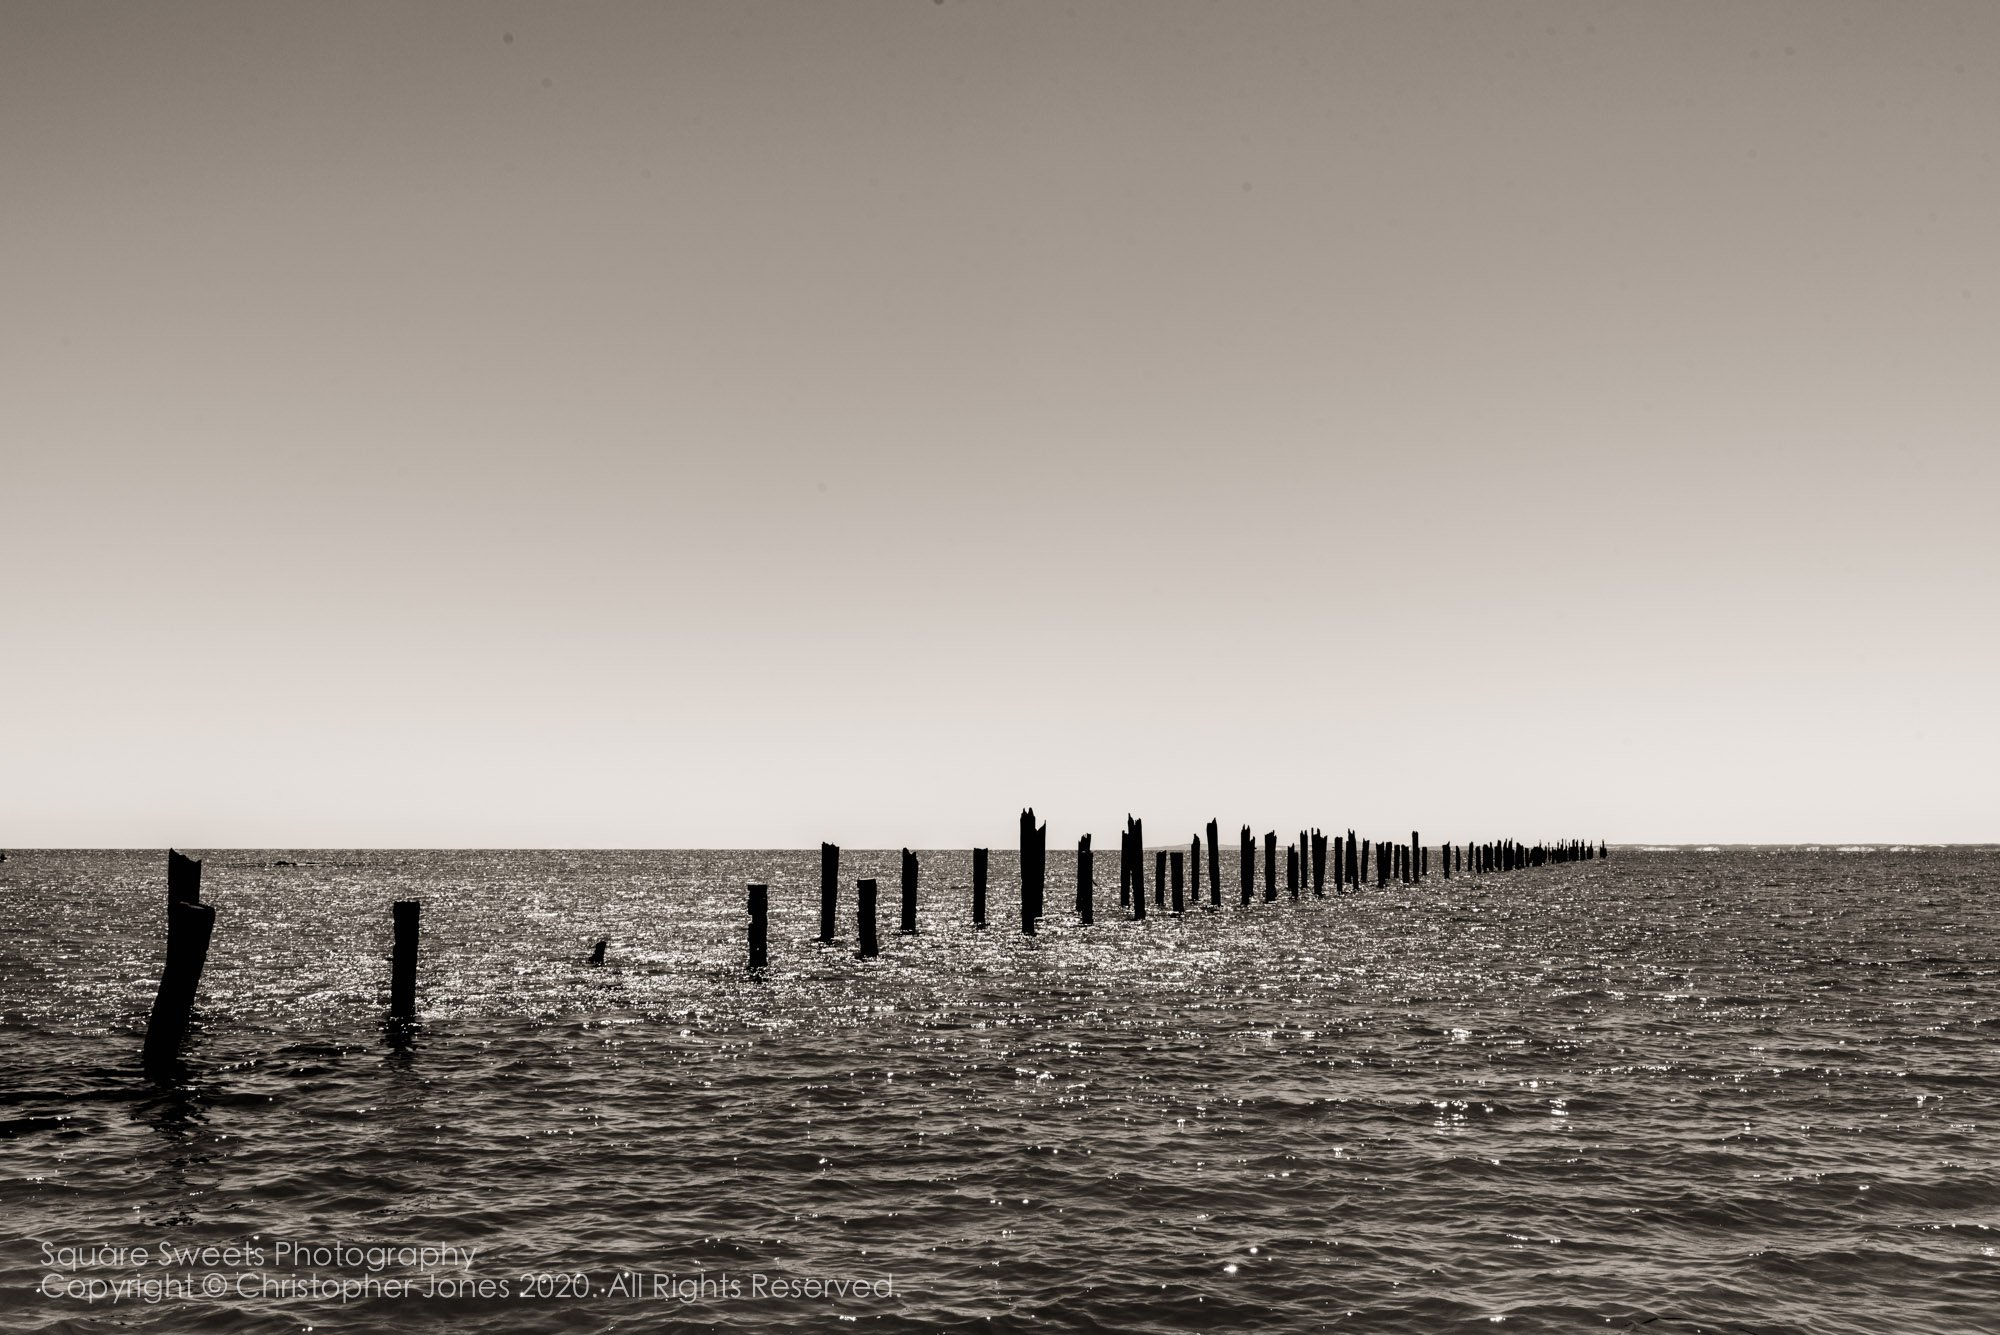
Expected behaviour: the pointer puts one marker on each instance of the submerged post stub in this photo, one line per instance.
(597, 953)
(403, 962)
(190, 925)
(759, 904)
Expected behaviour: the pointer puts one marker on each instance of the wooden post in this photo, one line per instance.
(1353, 862)
(1138, 885)
(1180, 905)
(978, 887)
(1086, 882)
(1030, 889)
(597, 952)
(1319, 863)
(1416, 857)
(864, 918)
(1246, 855)
(760, 901)
(1270, 866)
(1339, 862)
(1382, 860)
(403, 966)
(909, 925)
(1125, 864)
(190, 926)
(829, 890)
(1292, 872)
(1194, 870)
(1159, 880)
(183, 879)
(1214, 865)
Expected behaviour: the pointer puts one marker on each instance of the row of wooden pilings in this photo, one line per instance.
(1176, 885)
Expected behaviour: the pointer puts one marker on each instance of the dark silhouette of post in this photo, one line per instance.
(1319, 863)
(978, 887)
(1086, 882)
(909, 924)
(403, 965)
(864, 918)
(1034, 869)
(190, 927)
(1159, 880)
(760, 902)
(1214, 865)
(1194, 870)
(1292, 872)
(1270, 866)
(597, 952)
(829, 890)
(1125, 865)
(1353, 863)
(1180, 905)
(1246, 858)
(1138, 885)
(1416, 857)
(183, 879)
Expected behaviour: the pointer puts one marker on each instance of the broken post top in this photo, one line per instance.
(183, 879)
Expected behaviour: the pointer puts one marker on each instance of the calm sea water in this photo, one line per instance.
(1741, 1090)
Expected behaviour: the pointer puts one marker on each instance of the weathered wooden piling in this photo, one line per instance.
(864, 918)
(829, 890)
(1034, 869)
(1086, 882)
(1214, 864)
(1194, 870)
(597, 951)
(183, 879)
(1353, 863)
(909, 923)
(1416, 857)
(1180, 905)
(1292, 872)
(1382, 866)
(1128, 865)
(1270, 866)
(1159, 880)
(978, 887)
(760, 903)
(1246, 856)
(403, 964)
(1319, 863)
(190, 927)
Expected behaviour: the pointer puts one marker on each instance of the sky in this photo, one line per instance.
(747, 424)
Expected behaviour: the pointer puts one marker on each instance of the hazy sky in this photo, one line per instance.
(752, 423)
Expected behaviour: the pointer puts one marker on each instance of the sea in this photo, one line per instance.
(1714, 1089)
